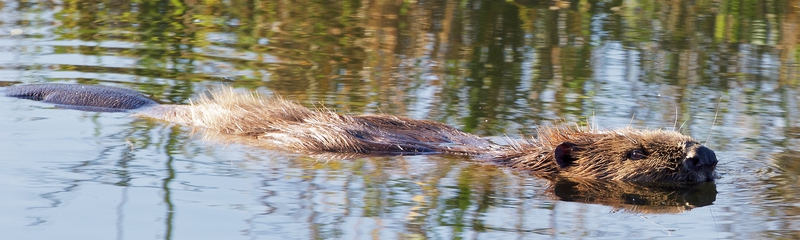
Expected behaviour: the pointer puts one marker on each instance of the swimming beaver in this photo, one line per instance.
(626, 154)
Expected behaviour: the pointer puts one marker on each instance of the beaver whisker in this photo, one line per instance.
(716, 113)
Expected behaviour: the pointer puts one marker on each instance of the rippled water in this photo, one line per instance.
(725, 72)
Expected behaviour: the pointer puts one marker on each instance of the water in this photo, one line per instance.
(725, 72)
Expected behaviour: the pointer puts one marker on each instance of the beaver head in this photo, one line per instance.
(626, 154)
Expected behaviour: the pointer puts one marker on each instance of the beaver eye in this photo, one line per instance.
(636, 154)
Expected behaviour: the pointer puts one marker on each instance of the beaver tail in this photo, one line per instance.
(83, 97)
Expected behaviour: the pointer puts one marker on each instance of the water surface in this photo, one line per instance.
(724, 72)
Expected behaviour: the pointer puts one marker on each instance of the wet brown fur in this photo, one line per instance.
(605, 154)
(278, 123)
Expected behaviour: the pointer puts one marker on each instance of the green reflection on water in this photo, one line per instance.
(488, 67)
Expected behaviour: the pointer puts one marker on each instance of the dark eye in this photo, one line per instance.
(636, 154)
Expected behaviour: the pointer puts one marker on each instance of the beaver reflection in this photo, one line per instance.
(635, 196)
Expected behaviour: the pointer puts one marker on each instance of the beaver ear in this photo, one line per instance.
(563, 154)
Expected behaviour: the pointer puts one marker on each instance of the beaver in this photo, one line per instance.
(273, 122)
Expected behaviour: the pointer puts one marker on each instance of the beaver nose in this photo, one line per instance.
(700, 157)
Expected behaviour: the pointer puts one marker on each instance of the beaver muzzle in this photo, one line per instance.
(702, 160)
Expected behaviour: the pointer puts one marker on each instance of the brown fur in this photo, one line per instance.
(605, 155)
(566, 151)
